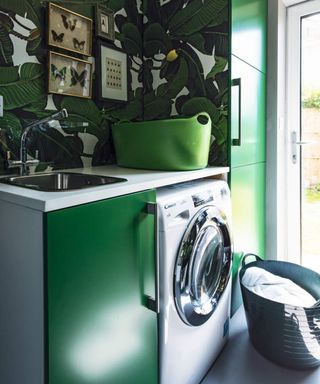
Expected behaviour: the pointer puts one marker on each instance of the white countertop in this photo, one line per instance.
(240, 363)
(138, 180)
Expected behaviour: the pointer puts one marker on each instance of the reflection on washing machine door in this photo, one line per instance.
(203, 266)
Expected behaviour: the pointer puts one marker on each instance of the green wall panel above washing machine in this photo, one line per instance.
(100, 267)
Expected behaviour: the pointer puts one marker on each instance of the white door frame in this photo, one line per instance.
(293, 113)
(275, 156)
(276, 151)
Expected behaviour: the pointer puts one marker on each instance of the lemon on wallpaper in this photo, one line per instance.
(172, 55)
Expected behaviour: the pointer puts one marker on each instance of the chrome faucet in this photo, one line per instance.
(24, 163)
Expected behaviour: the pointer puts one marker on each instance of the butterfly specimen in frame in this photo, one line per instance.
(57, 37)
(58, 73)
(78, 44)
(68, 23)
(78, 78)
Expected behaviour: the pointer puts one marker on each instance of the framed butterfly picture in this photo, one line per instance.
(69, 76)
(69, 30)
(111, 73)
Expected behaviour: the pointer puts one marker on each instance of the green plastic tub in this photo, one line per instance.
(178, 144)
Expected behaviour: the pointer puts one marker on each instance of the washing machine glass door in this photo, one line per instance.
(203, 266)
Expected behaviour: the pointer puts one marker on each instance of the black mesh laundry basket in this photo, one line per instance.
(285, 334)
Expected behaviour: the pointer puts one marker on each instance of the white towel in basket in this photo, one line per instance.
(276, 288)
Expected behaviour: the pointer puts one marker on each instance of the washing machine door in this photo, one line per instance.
(203, 266)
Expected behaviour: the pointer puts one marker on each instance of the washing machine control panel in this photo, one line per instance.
(178, 203)
(202, 198)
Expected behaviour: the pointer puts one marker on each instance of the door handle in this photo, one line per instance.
(153, 303)
(304, 142)
(237, 83)
(295, 143)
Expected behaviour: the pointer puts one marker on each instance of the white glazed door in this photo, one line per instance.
(303, 133)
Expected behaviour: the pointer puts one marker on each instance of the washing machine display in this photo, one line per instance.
(194, 278)
(203, 266)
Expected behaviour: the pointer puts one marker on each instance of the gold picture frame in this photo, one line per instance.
(69, 76)
(69, 30)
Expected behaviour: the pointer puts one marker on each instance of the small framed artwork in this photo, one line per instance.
(69, 30)
(69, 76)
(112, 73)
(105, 23)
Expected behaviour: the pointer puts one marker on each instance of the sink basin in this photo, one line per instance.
(60, 181)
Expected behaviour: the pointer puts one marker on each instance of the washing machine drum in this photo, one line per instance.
(203, 266)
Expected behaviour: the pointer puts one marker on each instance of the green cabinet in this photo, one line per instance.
(248, 100)
(248, 208)
(247, 134)
(247, 186)
(100, 269)
(249, 31)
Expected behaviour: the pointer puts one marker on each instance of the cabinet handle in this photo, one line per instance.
(237, 83)
(153, 303)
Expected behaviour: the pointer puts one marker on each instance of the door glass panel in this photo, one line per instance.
(206, 271)
(310, 139)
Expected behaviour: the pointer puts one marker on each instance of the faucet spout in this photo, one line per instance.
(56, 116)
(23, 163)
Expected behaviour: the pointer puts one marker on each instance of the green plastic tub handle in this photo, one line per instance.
(202, 118)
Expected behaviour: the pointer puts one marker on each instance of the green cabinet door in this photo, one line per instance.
(249, 31)
(248, 106)
(100, 268)
(247, 186)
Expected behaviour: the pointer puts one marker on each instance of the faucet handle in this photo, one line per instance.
(32, 162)
(9, 163)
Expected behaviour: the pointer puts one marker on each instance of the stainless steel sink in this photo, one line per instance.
(60, 181)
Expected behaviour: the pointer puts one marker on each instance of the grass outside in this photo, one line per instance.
(312, 195)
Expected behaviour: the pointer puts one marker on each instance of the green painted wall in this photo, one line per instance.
(197, 80)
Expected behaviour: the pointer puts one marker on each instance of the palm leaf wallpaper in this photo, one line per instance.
(178, 61)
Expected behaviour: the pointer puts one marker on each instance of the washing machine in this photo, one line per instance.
(194, 278)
